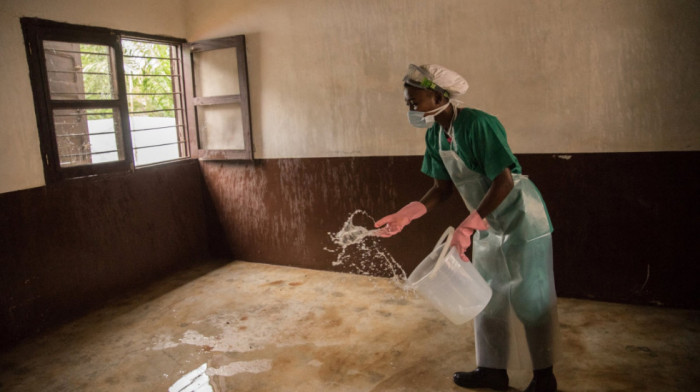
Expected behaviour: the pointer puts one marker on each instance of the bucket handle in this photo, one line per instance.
(446, 237)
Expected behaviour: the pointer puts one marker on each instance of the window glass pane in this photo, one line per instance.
(221, 127)
(88, 136)
(216, 73)
(155, 139)
(153, 89)
(80, 71)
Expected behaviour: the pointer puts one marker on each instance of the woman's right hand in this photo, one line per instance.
(393, 224)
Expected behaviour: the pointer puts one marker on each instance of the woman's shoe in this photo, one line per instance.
(543, 384)
(483, 378)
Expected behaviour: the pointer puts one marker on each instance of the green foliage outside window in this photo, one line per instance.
(148, 74)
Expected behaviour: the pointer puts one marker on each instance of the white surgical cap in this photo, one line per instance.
(436, 77)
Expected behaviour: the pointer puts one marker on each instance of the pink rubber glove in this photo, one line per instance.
(462, 238)
(395, 222)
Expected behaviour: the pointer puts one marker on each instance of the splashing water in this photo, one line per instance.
(358, 248)
(351, 234)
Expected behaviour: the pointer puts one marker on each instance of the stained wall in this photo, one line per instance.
(563, 76)
(625, 237)
(68, 248)
(610, 85)
(598, 98)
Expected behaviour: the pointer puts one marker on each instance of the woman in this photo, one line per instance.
(467, 149)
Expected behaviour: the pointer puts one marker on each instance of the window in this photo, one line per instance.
(109, 101)
(152, 72)
(220, 98)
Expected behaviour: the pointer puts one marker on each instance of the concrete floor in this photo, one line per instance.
(269, 328)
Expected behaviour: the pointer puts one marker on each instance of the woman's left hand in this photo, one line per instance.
(462, 237)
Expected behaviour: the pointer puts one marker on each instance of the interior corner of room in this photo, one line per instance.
(599, 100)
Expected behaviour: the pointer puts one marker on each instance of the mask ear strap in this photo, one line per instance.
(439, 110)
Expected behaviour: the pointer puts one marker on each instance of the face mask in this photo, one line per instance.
(423, 120)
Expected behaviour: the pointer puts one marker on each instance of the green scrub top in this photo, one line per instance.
(482, 145)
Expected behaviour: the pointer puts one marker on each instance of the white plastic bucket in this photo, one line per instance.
(453, 286)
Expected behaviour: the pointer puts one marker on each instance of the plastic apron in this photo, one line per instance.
(515, 257)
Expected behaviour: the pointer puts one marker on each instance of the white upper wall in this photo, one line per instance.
(325, 75)
(563, 76)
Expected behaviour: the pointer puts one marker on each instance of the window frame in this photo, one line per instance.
(242, 98)
(36, 31)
